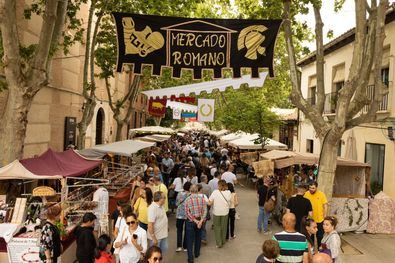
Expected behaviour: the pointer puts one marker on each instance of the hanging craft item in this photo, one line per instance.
(196, 44)
(206, 110)
(157, 107)
(176, 114)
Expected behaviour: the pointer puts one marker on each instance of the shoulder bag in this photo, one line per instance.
(269, 203)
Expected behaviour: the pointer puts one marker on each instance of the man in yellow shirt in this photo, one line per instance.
(159, 186)
(320, 206)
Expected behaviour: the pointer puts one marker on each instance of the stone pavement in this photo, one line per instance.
(361, 248)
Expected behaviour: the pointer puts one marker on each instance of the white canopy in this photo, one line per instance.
(208, 86)
(16, 170)
(246, 142)
(189, 126)
(232, 136)
(218, 133)
(181, 106)
(123, 148)
(154, 138)
(152, 130)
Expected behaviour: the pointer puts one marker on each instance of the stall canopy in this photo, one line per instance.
(232, 136)
(246, 142)
(154, 138)
(152, 130)
(208, 86)
(286, 158)
(218, 133)
(123, 148)
(67, 163)
(16, 170)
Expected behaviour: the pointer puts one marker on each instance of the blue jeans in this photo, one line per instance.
(162, 244)
(180, 229)
(204, 232)
(194, 240)
(263, 218)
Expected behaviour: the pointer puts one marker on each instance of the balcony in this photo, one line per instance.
(312, 101)
(384, 102)
(330, 103)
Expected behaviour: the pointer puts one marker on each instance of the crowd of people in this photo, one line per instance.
(194, 178)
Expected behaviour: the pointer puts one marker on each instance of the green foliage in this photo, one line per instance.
(339, 4)
(246, 109)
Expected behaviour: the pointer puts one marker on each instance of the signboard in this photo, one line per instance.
(70, 126)
(206, 110)
(176, 114)
(196, 44)
(157, 107)
(43, 191)
(23, 250)
(188, 115)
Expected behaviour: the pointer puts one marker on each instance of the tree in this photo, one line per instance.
(366, 62)
(26, 67)
(247, 110)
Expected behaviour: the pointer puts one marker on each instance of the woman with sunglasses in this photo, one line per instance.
(132, 242)
(154, 255)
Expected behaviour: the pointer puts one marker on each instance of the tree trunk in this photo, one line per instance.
(14, 123)
(327, 164)
(118, 136)
(82, 126)
(157, 120)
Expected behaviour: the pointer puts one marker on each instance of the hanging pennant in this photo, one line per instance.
(196, 44)
(157, 107)
(206, 110)
(190, 100)
(176, 114)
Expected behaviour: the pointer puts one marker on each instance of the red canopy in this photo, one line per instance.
(66, 164)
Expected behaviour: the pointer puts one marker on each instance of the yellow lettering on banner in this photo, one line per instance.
(173, 37)
(181, 39)
(187, 59)
(222, 41)
(197, 41)
(213, 40)
(177, 58)
(206, 41)
(203, 59)
(190, 39)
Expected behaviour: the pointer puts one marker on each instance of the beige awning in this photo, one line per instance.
(312, 81)
(338, 75)
(386, 57)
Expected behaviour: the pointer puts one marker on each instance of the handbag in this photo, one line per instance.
(269, 204)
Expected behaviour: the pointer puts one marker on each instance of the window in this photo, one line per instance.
(385, 73)
(339, 148)
(375, 155)
(309, 146)
(312, 95)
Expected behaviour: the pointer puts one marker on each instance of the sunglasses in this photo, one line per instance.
(157, 259)
(131, 223)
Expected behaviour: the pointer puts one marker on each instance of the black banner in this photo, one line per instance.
(195, 44)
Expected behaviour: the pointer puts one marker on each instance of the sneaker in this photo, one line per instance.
(185, 250)
(179, 249)
(259, 230)
(267, 232)
(204, 242)
(233, 237)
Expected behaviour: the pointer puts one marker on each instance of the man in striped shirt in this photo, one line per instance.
(196, 211)
(293, 245)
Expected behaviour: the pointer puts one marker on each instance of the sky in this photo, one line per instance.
(339, 22)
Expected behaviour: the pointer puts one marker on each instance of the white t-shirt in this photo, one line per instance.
(213, 184)
(206, 143)
(229, 177)
(129, 253)
(212, 171)
(193, 180)
(221, 202)
(178, 184)
(120, 224)
(101, 197)
(157, 215)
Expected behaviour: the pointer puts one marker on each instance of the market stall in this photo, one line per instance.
(247, 142)
(349, 202)
(150, 130)
(44, 180)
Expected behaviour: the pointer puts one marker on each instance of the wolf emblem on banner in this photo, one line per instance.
(140, 42)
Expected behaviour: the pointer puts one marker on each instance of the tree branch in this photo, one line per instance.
(296, 95)
(319, 59)
(87, 51)
(59, 23)
(9, 34)
(380, 89)
(92, 52)
(132, 98)
(47, 30)
(108, 89)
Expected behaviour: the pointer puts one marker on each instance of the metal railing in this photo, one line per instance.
(330, 102)
(370, 94)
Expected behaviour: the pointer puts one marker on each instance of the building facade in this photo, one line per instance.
(371, 142)
(63, 97)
